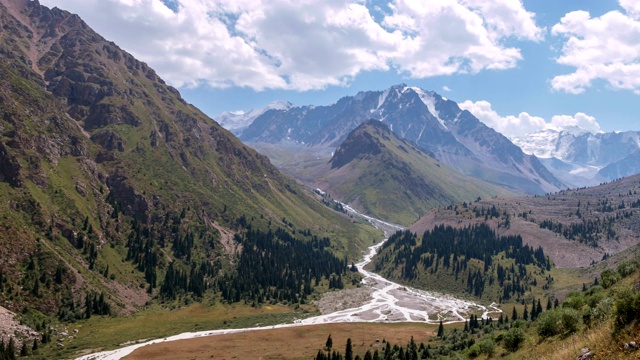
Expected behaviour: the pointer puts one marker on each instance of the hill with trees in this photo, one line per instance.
(115, 192)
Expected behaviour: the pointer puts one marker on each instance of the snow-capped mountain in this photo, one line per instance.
(434, 123)
(237, 121)
(582, 158)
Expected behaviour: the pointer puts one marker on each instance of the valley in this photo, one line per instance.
(133, 224)
(379, 301)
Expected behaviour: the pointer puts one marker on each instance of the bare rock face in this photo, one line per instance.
(109, 140)
(125, 195)
(9, 168)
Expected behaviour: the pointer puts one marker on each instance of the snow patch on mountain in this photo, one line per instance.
(577, 156)
(430, 102)
(237, 121)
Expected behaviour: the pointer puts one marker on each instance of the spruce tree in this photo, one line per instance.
(329, 343)
(514, 314)
(538, 308)
(348, 351)
(440, 329)
(10, 351)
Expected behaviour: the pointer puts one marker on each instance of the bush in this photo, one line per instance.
(570, 320)
(600, 311)
(486, 346)
(574, 302)
(627, 268)
(609, 277)
(513, 339)
(558, 321)
(627, 309)
(549, 323)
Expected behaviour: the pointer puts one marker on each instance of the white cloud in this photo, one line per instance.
(605, 47)
(509, 125)
(311, 44)
(513, 126)
(580, 120)
(446, 88)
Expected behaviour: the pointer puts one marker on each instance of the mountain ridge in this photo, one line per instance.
(434, 123)
(583, 158)
(113, 188)
(392, 179)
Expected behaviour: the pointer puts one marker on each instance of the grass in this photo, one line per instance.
(289, 343)
(103, 333)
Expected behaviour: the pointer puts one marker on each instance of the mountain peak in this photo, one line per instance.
(237, 121)
(362, 141)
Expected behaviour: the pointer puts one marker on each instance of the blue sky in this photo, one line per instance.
(519, 66)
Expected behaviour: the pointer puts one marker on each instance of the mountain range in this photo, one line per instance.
(437, 125)
(581, 158)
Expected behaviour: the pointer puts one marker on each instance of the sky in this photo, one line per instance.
(519, 66)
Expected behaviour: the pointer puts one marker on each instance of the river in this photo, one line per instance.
(388, 302)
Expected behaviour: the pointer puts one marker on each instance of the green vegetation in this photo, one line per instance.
(472, 261)
(394, 180)
(117, 195)
(596, 318)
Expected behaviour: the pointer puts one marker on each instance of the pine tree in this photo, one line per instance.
(24, 351)
(514, 314)
(348, 352)
(440, 329)
(329, 343)
(10, 351)
(538, 308)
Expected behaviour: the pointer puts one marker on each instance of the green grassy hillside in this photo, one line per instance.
(392, 179)
(114, 192)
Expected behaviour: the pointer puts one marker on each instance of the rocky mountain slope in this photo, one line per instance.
(435, 124)
(581, 158)
(576, 228)
(393, 179)
(114, 190)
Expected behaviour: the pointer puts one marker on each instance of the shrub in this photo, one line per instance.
(570, 320)
(609, 277)
(627, 268)
(574, 302)
(600, 311)
(627, 309)
(549, 323)
(487, 346)
(558, 321)
(513, 339)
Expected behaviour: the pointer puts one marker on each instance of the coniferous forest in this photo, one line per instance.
(473, 257)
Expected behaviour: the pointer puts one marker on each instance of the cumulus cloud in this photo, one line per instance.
(514, 126)
(446, 88)
(580, 120)
(600, 48)
(311, 44)
(509, 125)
